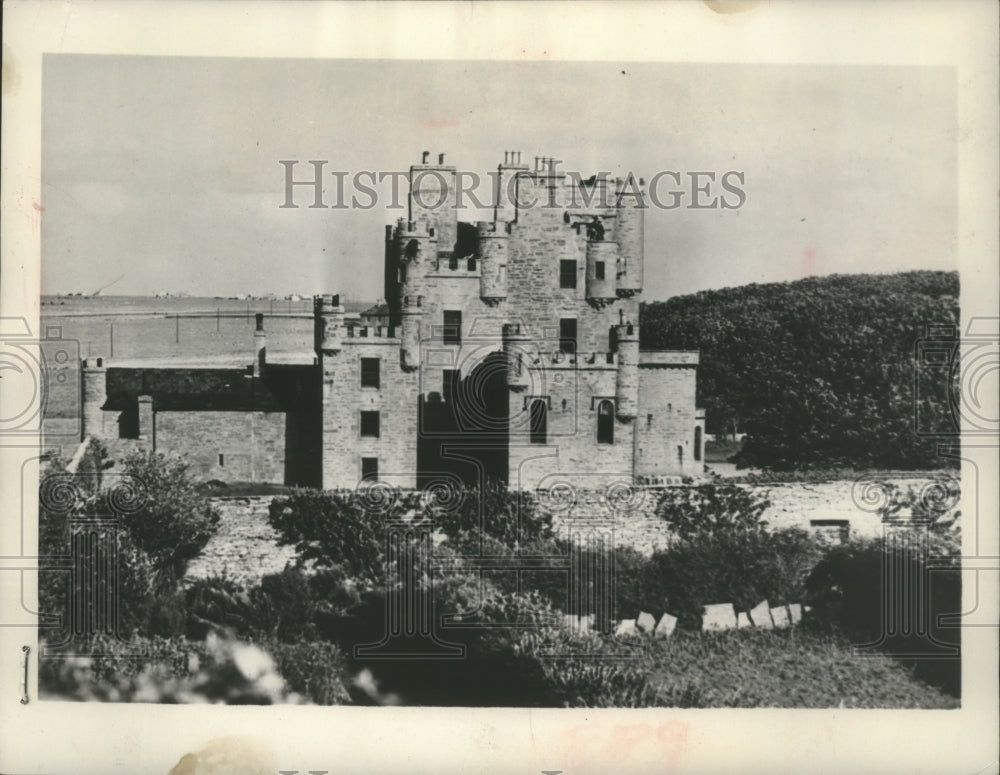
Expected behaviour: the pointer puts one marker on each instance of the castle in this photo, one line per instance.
(510, 352)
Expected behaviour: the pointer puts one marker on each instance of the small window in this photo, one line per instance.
(567, 274)
(369, 468)
(370, 368)
(452, 333)
(599, 270)
(370, 425)
(697, 442)
(605, 423)
(222, 460)
(567, 335)
(539, 419)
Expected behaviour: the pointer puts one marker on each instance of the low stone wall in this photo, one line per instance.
(245, 546)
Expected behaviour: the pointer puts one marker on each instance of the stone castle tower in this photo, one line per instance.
(513, 346)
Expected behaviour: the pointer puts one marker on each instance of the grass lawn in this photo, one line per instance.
(781, 669)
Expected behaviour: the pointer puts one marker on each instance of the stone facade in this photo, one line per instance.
(506, 350)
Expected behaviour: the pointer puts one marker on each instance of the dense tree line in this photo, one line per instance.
(824, 371)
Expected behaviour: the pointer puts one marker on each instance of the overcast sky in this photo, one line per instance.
(164, 171)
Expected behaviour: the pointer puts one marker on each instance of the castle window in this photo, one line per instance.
(452, 333)
(697, 442)
(567, 335)
(539, 419)
(369, 468)
(599, 270)
(370, 425)
(605, 423)
(370, 368)
(567, 274)
(222, 460)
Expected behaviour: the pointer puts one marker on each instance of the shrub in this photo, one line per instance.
(504, 517)
(849, 594)
(316, 670)
(741, 568)
(172, 670)
(338, 529)
(712, 509)
(173, 521)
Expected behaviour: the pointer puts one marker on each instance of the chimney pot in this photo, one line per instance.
(425, 155)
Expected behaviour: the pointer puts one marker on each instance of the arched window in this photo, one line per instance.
(606, 423)
(539, 422)
(697, 442)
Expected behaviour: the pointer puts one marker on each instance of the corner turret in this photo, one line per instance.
(627, 381)
(491, 254)
(328, 318)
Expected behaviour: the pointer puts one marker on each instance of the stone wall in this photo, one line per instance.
(666, 421)
(245, 547)
(229, 446)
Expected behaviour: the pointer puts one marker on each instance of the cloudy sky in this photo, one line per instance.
(162, 173)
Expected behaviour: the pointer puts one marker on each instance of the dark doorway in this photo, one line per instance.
(464, 432)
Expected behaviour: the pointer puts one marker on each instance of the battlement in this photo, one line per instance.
(426, 163)
(487, 229)
(326, 301)
(582, 361)
(95, 363)
(418, 228)
(356, 333)
(465, 266)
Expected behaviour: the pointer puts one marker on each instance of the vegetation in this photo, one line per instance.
(820, 372)
(293, 636)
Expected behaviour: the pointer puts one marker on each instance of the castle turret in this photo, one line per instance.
(328, 318)
(413, 315)
(432, 200)
(259, 346)
(95, 394)
(416, 246)
(630, 208)
(492, 257)
(516, 350)
(602, 261)
(627, 382)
